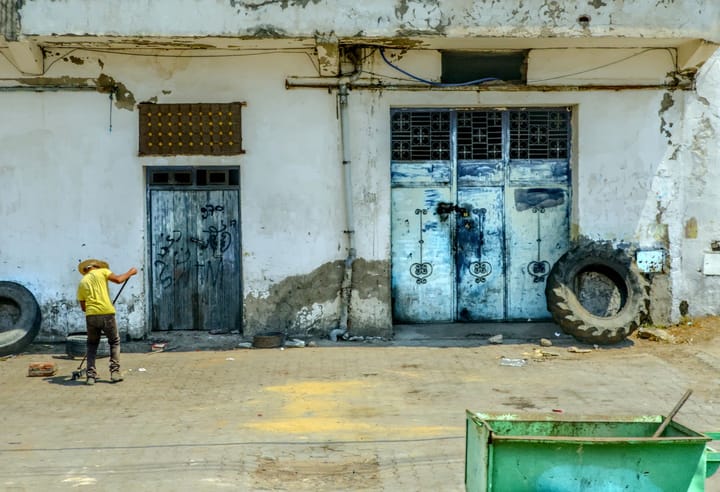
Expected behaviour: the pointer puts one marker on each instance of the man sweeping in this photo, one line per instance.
(100, 314)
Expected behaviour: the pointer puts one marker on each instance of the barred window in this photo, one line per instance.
(479, 135)
(539, 134)
(420, 136)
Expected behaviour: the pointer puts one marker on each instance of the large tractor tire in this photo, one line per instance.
(596, 293)
(19, 318)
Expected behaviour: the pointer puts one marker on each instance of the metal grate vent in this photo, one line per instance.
(539, 134)
(420, 136)
(190, 129)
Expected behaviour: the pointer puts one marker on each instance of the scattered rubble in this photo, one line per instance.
(578, 350)
(545, 342)
(655, 334)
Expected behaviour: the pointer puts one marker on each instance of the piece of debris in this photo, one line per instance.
(557, 410)
(540, 355)
(294, 343)
(158, 347)
(356, 338)
(496, 339)
(312, 343)
(578, 350)
(42, 369)
(7, 357)
(545, 342)
(229, 358)
(655, 335)
(505, 361)
(245, 345)
(142, 369)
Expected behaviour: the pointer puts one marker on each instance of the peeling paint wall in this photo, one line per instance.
(697, 157)
(374, 18)
(644, 170)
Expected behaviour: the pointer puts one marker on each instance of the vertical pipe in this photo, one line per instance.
(346, 288)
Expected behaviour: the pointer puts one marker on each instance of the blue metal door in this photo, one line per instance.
(480, 211)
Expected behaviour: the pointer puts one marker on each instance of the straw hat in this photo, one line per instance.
(83, 266)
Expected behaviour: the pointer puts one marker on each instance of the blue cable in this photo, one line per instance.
(430, 82)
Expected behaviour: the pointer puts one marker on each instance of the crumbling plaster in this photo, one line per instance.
(373, 18)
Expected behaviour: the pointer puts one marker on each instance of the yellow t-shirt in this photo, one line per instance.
(93, 289)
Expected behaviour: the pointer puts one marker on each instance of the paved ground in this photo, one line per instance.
(385, 416)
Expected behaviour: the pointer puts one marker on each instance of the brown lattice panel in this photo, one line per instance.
(190, 129)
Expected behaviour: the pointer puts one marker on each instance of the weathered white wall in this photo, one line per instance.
(72, 189)
(76, 190)
(70, 192)
(698, 155)
(449, 18)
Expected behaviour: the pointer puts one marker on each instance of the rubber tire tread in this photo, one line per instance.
(76, 346)
(16, 336)
(569, 313)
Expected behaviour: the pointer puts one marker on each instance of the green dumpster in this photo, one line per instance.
(543, 453)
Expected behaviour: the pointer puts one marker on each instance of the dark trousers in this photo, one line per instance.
(98, 325)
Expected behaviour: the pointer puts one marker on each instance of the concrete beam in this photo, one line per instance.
(694, 53)
(26, 56)
(328, 55)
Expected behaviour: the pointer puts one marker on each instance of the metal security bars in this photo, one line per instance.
(479, 135)
(420, 136)
(527, 134)
(539, 134)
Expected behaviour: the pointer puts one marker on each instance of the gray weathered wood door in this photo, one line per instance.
(195, 253)
(480, 212)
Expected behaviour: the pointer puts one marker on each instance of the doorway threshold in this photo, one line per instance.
(468, 334)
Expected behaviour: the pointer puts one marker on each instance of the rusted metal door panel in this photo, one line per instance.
(501, 201)
(195, 253)
(480, 262)
(422, 269)
(537, 235)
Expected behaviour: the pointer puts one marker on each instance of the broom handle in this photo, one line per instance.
(121, 289)
(672, 414)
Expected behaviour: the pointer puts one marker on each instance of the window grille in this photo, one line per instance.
(479, 135)
(420, 136)
(539, 134)
(527, 134)
(190, 129)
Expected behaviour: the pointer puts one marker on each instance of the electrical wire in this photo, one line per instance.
(434, 84)
(255, 52)
(607, 65)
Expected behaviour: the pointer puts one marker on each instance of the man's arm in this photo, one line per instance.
(82, 305)
(118, 279)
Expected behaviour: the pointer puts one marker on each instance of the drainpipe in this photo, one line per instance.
(346, 287)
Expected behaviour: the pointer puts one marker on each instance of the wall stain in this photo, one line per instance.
(665, 127)
(371, 279)
(282, 3)
(295, 305)
(401, 8)
(553, 10)
(597, 4)
(291, 298)
(124, 99)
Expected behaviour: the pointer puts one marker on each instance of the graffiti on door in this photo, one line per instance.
(182, 255)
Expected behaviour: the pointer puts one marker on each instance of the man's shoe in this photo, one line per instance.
(116, 377)
(90, 381)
